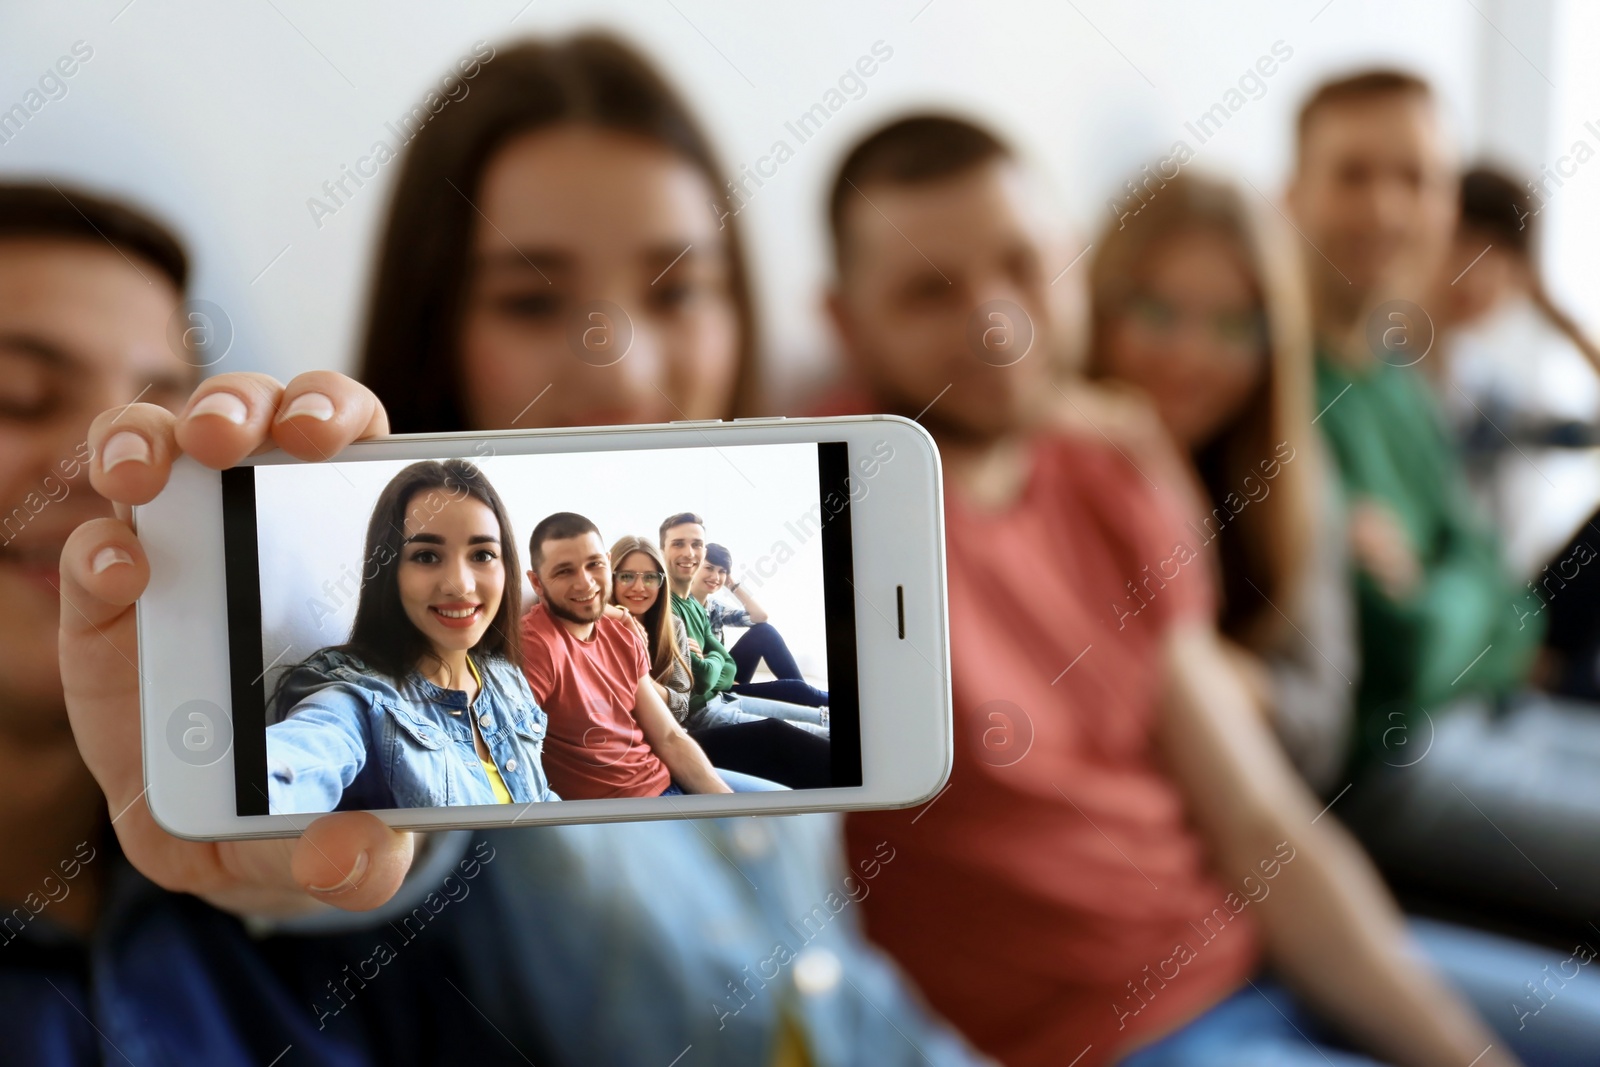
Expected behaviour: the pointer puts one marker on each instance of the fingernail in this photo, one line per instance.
(310, 406)
(223, 405)
(108, 557)
(348, 882)
(123, 447)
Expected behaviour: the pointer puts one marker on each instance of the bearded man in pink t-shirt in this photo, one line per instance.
(1122, 847)
(610, 734)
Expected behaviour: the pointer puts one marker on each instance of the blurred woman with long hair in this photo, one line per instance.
(560, 250)
(1197, 303)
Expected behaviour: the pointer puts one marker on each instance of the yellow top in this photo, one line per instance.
(502, 795)
(791, 1048)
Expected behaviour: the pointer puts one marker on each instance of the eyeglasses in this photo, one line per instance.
(1244, 332)
(651, 579)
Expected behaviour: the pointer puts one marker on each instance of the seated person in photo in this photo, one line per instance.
(119, 942)
(424, 705)
(1456, 758)
(767, 748)
(1198, 304)
(760, 641)
(611, 734)
(1123, 849)
(712, 701)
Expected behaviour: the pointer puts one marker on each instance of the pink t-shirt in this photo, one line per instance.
(594, 746)
(1057, 898)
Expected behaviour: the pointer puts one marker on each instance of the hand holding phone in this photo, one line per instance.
(359, 633)
(350, 859)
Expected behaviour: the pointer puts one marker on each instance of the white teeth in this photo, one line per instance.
(458, 613)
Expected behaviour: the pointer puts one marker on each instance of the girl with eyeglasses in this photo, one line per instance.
(767, 748)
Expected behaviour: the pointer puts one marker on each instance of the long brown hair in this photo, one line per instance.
(1263, 555)
(411, 356)
(658, 620)
(382, 636)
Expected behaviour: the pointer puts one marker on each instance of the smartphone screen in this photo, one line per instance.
(344, 581)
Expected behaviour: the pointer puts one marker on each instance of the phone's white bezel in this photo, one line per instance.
(897, 540)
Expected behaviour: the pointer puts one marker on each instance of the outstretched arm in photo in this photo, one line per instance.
(690, 768)
(314, 754)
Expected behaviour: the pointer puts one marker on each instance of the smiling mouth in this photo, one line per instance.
(457, 616)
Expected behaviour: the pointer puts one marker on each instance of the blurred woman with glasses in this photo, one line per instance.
(1197, 303)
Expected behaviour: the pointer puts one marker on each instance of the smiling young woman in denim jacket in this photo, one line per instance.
(426, 704)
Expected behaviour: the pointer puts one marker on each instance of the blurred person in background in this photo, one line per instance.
(572, 175)
(575, 181)
(98, 963)
(1198, 303)
(1520, 390)
(1122, 847)
(1464, 781)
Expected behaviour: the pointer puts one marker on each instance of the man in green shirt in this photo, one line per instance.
(712, 702)
(1461, 775)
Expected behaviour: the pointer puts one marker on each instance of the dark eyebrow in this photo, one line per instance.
(666, 256)
(436, 539)
(39, 349)
(538, 259)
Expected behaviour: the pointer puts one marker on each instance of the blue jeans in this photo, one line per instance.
(725, 709)
(763, 642)
(1265, 1025)
(739, 783)
(1499, 804)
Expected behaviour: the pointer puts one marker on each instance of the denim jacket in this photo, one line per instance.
(354, 739)
(604, 945)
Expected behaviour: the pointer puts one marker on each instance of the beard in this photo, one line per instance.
(561, 611)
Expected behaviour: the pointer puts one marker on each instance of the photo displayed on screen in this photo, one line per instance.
(532, 629)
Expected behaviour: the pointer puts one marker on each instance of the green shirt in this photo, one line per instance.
(714, 668)
(1468, 629)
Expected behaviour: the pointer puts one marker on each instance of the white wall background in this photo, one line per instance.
(312, 522)
(228, 117)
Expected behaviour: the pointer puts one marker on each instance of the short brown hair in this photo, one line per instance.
(1358, 88)
(679, 519)
(558, 527)
(914, 150)
(30, 209)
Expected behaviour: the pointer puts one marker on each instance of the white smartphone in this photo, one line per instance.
(295, 650)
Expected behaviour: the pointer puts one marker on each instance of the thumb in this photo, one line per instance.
(352, 860)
